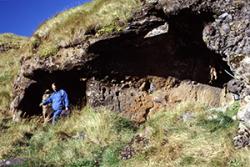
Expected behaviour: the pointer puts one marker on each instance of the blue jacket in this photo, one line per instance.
(58, 99)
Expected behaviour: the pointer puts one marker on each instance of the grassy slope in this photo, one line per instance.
(101, 15)
(197, 142)
(9, 66)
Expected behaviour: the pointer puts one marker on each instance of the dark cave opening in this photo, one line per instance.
(181, 53)
(69, 81)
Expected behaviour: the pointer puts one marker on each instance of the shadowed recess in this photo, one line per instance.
(69, 81)
(181, 53)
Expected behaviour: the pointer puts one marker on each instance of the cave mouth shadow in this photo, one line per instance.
(70, 81)
(180, 53)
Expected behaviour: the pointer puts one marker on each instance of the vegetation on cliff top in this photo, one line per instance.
(97, 18)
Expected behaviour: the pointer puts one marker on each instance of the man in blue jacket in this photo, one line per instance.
(59, 100)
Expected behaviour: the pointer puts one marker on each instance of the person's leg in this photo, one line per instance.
(56, 115)
(44, 115)
(65, 113)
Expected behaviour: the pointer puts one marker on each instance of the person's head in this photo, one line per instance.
(54, 86)
(47, 91)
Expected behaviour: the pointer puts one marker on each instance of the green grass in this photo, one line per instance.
(48, 49)
(189, 143)
(192, 143)
(102, 140)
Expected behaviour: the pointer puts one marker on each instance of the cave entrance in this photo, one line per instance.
(70, 81)
(180, 53)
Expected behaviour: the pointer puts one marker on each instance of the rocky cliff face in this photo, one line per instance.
(165, 55)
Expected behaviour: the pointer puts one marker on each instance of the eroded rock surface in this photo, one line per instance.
(242, 138)
(134, 75)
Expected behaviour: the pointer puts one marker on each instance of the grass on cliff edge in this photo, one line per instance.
(198, 141)
(101, 16)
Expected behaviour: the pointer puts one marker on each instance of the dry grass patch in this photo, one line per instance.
(12, 40)
(96, 138)
(198, 141)
(9, 66)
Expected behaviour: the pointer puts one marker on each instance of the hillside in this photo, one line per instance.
(150, 83)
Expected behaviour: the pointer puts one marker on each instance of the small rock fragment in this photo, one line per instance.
(163, 29)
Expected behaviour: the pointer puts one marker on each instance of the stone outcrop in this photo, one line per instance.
(162, 57)
(242, 138)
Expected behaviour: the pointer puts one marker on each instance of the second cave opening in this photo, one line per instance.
(181, 53)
